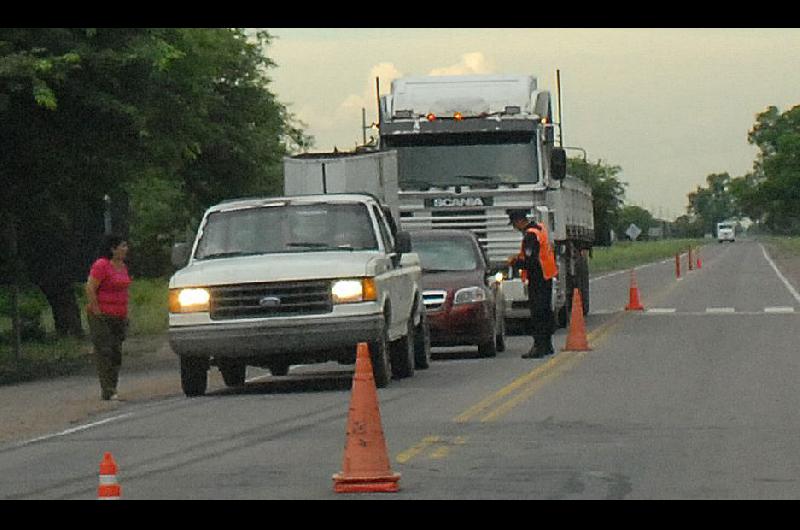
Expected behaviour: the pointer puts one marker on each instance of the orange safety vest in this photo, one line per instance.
(547, 257)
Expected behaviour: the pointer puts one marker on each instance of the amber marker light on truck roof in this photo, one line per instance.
(431, 117)
(458, 116)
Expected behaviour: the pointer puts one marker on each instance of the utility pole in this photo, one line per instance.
(107, 214)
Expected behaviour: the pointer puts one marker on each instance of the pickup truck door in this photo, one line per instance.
(398, 282)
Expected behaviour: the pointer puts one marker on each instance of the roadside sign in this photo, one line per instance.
(633, 232)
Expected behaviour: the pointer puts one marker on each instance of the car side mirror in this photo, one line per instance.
(558, 164)
(180, 254)
(402, 242)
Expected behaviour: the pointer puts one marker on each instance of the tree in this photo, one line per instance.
(607, 193)
(772, 192)
(637, 215)
(164, 120)
(714, 204)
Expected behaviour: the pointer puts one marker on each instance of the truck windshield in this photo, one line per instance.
(286, 228)
(465, 160)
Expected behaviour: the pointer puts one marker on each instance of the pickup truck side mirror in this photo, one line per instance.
(180, 254)
(558, 164)
(402, 242)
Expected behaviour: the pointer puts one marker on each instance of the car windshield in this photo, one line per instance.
(441, 255)
(286, 227)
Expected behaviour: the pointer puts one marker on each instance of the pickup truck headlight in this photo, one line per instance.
(189, 300)
(469, 295)
(354, 290)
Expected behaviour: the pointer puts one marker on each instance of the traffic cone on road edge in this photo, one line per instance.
(633, 303)
(109, 489)
(365, 466)
(576, 340)
(699, 262)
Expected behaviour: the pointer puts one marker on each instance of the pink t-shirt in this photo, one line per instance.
(112, 295)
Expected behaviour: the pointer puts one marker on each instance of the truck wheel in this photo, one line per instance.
(379, 355)
(278, 368)
(194, 375)
(233, 373)
(402, 353)
(422, 343)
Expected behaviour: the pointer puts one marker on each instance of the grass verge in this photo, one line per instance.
(627, 254)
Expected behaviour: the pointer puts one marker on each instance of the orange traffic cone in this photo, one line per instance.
(634, 304)
(576, 340)
(365, 467)
(109, 489)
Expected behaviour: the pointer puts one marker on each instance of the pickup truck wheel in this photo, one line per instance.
(194, 375)
(379, 355)
(278, 368)
(233, 373)
(402, 352)
(422, 343)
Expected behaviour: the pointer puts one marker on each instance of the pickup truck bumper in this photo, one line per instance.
(272, 337)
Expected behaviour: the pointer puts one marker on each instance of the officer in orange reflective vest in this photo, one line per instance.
(537, 261)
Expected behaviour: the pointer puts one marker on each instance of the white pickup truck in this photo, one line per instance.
(277, 281)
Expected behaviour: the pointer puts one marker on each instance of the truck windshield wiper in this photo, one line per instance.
(229, 254)
(308, 244)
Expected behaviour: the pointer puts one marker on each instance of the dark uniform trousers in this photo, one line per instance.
(540, 302)
(107, 334)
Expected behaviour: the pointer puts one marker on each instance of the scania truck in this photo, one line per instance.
(470, 148)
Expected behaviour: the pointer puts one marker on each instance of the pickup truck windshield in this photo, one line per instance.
(442, 255)
(286, 228)
(466, 160)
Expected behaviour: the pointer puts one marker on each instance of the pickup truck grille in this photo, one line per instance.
(261, 300)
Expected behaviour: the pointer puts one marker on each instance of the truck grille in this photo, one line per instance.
(474, 220)
(262, 300)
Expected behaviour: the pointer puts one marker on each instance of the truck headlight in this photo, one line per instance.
(354, 290)
(469, 295)
(189, 300)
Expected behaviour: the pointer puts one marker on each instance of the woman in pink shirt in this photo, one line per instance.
(107, 311)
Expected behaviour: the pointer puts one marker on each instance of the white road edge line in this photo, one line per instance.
(75, 429)
(779, 309)
(780, 275)
(720, 310)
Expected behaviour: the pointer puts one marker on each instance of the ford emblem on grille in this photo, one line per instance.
(269, 301)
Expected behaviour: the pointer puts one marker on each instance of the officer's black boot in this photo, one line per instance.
(538, 350)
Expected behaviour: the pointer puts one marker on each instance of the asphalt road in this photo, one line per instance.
(694, 398)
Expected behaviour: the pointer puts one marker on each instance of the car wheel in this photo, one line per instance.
(402, 352)
(379, 355)
(488, 348)
(233, 373)
(422, 343)
(194, 375)
(500, 337)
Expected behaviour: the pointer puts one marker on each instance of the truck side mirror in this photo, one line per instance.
(402, 243)
(558, 163)
(180, 254)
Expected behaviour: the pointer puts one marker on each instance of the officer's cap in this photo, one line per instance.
(514, 215)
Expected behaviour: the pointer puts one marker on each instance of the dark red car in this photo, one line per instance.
(463, 300)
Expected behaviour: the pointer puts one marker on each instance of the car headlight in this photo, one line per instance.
(354, 290)
(499, 277)
(469, 295)
(190, 300)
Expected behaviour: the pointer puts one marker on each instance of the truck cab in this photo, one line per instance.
(277, 281)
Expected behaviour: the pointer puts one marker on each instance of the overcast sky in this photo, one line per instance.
(670, 106)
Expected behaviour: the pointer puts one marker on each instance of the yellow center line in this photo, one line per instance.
(527, 385)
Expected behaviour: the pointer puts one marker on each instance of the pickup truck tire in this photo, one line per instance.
(422, 343)
(278, 368)
(194, 375)
(379, 355)
(233, 373)
(402, 353)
